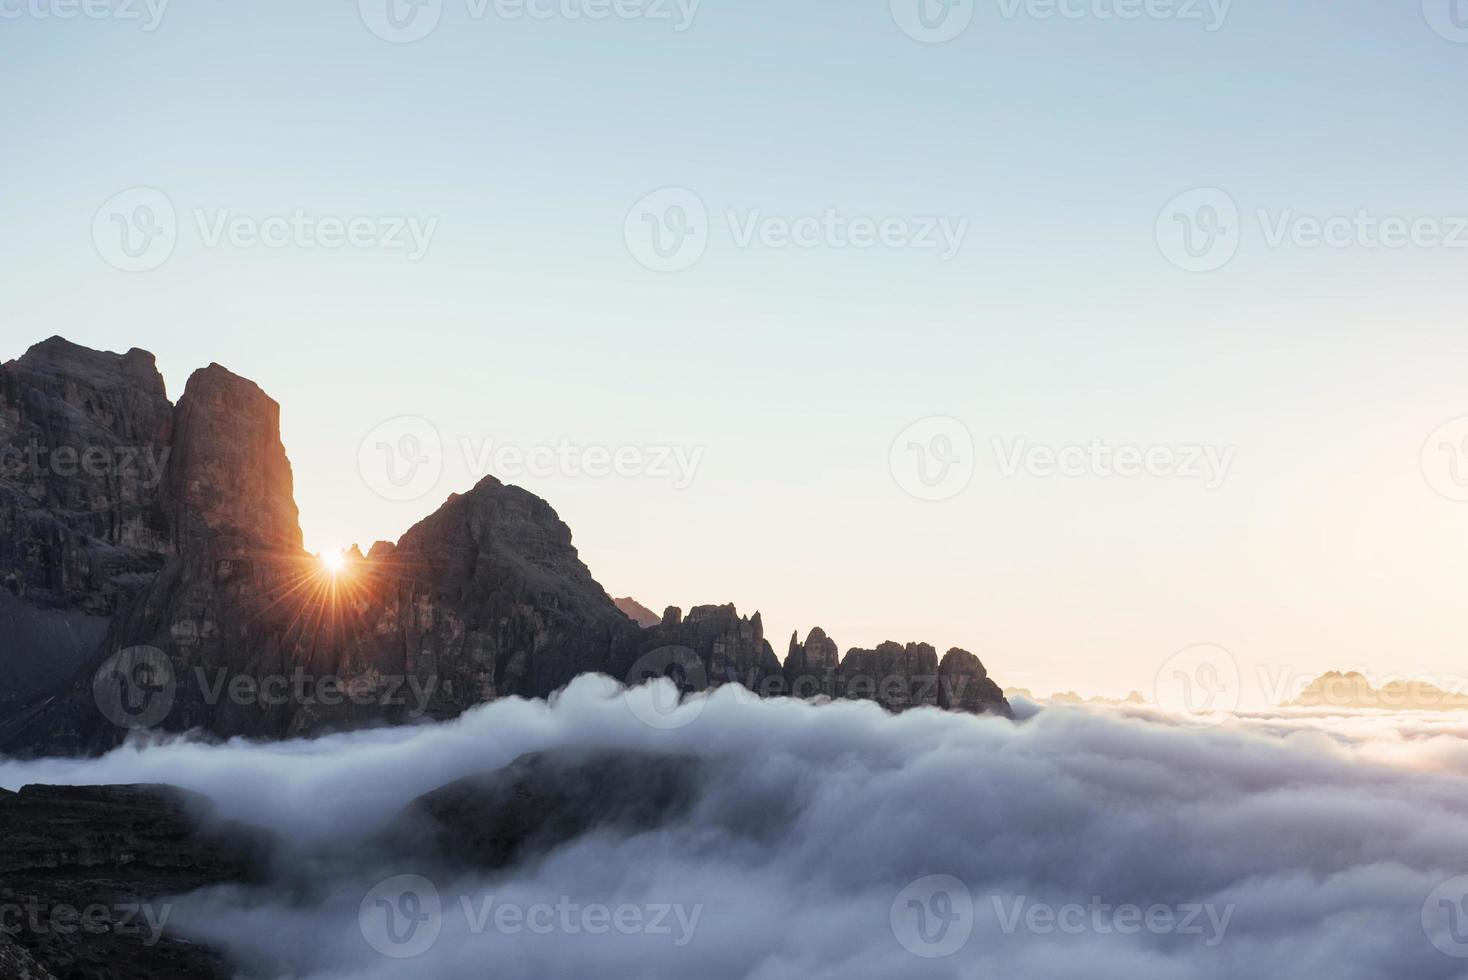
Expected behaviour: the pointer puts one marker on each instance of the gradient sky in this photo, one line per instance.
(529, 321)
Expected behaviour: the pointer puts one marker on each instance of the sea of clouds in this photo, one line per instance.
(835, 841)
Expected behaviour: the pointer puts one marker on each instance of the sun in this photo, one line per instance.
(334, 562)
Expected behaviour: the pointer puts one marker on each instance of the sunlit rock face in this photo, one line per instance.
(227, 598)
(638, 613)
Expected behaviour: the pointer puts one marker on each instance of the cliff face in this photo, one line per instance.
(84, 445)
(729, 648)
(154, 577)
(107, 849)
(485, 598)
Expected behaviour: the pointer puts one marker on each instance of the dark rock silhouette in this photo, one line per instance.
(109, 849)
(542, 800)
(171, 574)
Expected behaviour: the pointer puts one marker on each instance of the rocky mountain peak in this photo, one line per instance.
(230, 470)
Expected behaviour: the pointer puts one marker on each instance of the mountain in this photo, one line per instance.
(1335, 689)
(108, 849)
(638, 613)
(154, 574)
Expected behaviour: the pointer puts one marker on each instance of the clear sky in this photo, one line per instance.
(1054, 143)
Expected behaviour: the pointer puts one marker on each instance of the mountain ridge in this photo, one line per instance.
(192, 571)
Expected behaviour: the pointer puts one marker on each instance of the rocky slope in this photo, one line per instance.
(95, 871)
(165, 585)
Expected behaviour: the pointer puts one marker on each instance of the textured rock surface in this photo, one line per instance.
(111, 848)
(202, 561)
(85, 438)
(964, 685)
(730, 647)
(227, 600)
(811, 667)
(895, 676)
(541, 800)
(485, 598)
(84, 451)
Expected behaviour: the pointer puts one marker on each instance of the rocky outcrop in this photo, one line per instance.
(811, 667)
(230, 600)
(895, 676)
(181, 597)
(542, 800)
(485, 598)
(113, 853)
(84, 453)
(728, 648)
(638, 613)
(964, 685)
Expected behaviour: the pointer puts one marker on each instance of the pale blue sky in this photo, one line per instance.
(1060, 141)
